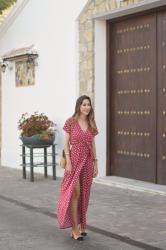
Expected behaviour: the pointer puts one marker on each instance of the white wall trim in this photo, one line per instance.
(100, 92)
(131, 9)
(12, 16)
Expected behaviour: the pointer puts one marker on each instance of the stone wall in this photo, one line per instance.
(86, 40)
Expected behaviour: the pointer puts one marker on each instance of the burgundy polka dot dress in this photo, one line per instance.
(81, 156)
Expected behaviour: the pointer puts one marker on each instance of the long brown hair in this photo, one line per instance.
(90, 116)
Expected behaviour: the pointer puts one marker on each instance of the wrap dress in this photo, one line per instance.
(81, 156)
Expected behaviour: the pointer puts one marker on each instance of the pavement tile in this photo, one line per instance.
(140, 216)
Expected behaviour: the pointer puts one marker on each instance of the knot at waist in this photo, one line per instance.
(84, 144)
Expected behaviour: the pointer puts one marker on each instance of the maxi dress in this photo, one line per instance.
(81, 156)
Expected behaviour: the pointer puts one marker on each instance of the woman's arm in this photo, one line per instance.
(67, 153)
(95, 172)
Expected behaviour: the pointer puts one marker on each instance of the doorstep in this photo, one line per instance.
(131, 184)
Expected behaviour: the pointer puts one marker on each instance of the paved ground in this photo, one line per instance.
(118, 219)
(22, 228)
(131, 184)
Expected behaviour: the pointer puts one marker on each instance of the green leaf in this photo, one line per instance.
(4, 4)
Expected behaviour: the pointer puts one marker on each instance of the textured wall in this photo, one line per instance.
(86, 40)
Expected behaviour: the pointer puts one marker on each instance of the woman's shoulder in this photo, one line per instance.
(70, 120)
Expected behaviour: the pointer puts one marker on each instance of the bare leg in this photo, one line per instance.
(74, 208)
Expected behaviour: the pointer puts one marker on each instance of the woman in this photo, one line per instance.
(81, 167)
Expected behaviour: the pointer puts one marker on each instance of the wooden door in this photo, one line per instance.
(132, 98)
(161, 98)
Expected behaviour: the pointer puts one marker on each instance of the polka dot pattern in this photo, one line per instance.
(82, 169)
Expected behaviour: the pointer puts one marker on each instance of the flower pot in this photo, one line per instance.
(37, 140)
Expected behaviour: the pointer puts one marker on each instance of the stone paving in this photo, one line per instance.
(136, 218)
(24, 229)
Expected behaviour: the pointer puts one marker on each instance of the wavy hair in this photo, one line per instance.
(90, 116)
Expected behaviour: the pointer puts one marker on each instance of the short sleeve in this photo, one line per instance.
(67, 126)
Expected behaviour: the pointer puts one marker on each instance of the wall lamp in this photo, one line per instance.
(26, 54)
(3, 66)
(7, 62)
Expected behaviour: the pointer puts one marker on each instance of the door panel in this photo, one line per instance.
(161, 94)
(133, 97)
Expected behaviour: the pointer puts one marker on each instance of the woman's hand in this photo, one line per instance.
(68, 168)
(95, 171)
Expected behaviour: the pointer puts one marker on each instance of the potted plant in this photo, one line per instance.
(36, 129)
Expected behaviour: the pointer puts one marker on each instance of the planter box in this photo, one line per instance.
(35, 140)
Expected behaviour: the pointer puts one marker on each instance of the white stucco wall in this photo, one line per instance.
(51, 26)
(100, 93)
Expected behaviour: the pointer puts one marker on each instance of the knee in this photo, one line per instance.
(76, 194)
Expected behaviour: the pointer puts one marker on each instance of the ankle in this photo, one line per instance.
(75, 230)
(82, 229)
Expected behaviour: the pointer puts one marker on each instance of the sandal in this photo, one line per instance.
(83, 233)
(76, 237)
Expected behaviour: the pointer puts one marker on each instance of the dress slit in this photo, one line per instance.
(64, 209)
